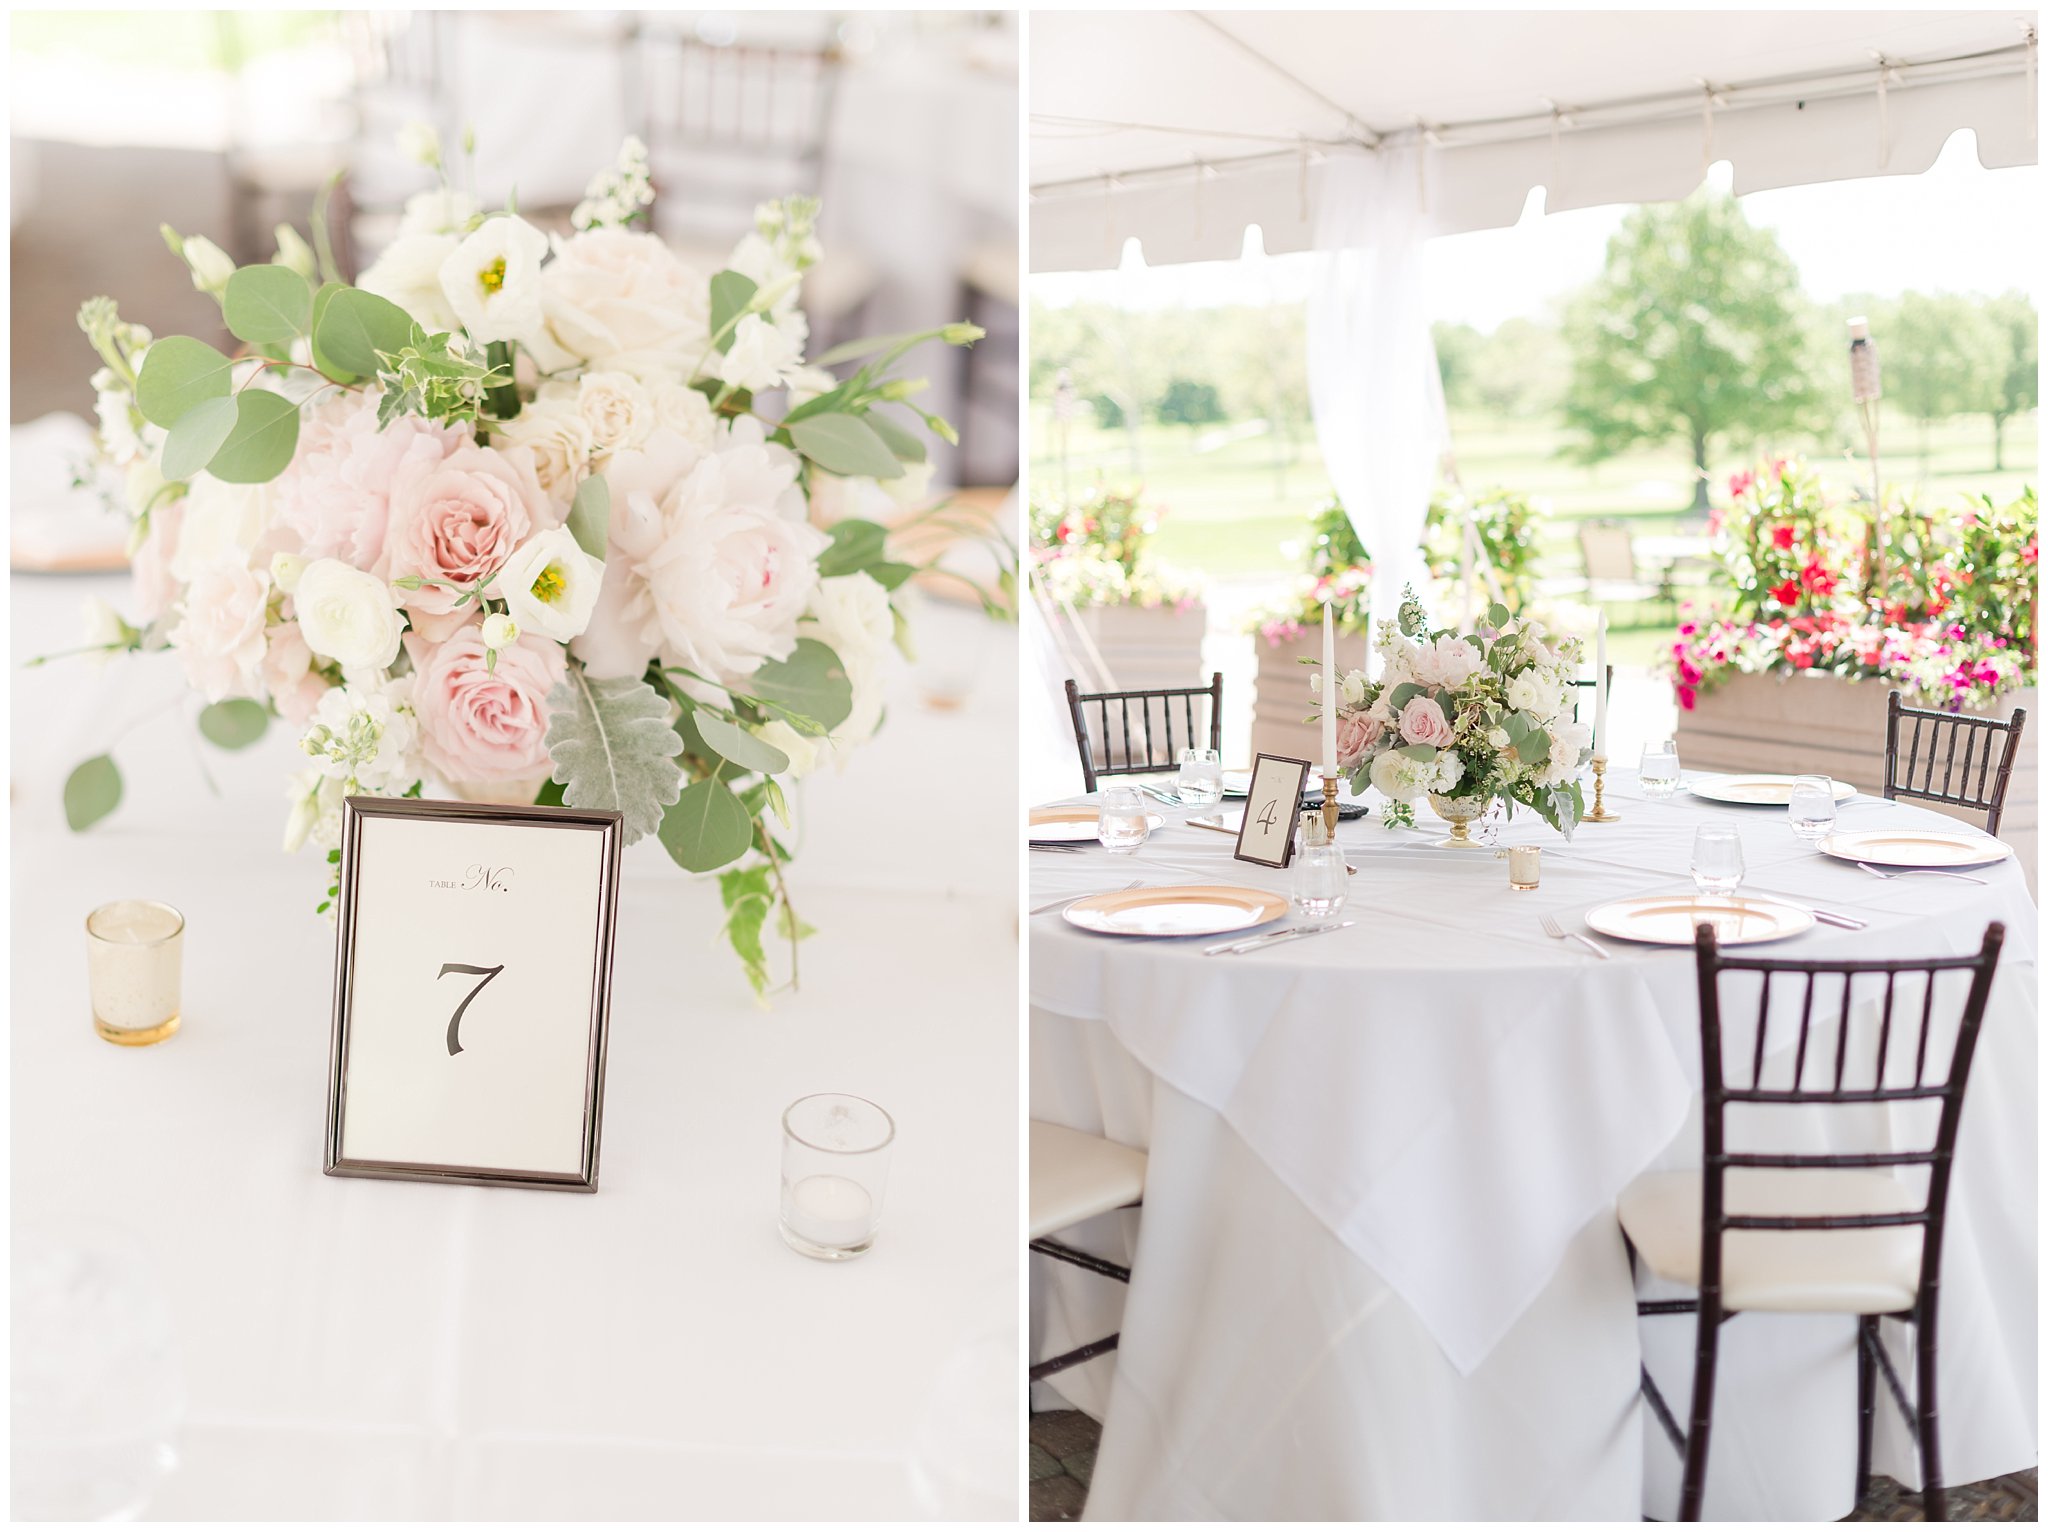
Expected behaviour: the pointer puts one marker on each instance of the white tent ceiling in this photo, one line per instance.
(1180, 127)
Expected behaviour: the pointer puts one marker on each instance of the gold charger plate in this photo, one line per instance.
(1075, 824)
(1667, 920)
(1758, 789)
(1199, 909)
(1915, 848)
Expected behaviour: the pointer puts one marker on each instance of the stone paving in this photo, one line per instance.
(1063, 1458)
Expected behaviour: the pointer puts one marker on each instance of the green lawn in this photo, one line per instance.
(1232, 506)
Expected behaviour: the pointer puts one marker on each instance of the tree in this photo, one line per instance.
(2020, 389)
(1519, 369)
(1190, 402)
(1458, 351)
(1943, 355)
(1693, 330)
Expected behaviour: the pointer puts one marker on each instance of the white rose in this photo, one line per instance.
(552, 427)
(440, 211)
(622, 300)
(408, 273)
(1394, 775)
(347, 615)
(683, 410)
(211, 266)
(222, 521)
(492, 280)
(550, 586)
(616, 409)
(761, 356)
(802, 749)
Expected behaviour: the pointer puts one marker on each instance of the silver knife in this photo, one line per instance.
(1273, 939)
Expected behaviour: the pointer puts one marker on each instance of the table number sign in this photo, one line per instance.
(472, 982)
(1271, 808)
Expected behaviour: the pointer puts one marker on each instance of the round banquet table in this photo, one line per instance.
(367, 1349)
(1378, 1275)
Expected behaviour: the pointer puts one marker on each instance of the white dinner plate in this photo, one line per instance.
(1078, 824)
(1916, 848)
(1200, 909)
(1668, 919)
(1758, 789)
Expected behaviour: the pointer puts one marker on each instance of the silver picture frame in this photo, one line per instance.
(357, 810)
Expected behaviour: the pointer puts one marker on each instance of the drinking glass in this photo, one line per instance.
(1812, 807)
(1201, 777)
(835, 1167)
(134, 953)
(1658, 774)
(1319, 877)
(1122, 824)
(1717, 860)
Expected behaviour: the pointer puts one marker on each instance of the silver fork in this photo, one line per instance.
(1889, 873)
(1060, 904)
(1552, 926)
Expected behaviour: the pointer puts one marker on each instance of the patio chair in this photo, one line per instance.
(1077, 1176)
(1609, 550)
(1813, 1232)
(1931, 751)
(1144, 752)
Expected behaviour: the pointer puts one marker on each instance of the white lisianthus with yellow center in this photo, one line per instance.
(550, 586)
(491, 280)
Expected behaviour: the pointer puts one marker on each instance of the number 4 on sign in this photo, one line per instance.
(1269, 815)
(455, 1021)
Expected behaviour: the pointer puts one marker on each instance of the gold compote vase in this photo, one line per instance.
(1460, 812)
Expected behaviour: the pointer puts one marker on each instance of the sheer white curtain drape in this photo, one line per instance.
(1373, 383)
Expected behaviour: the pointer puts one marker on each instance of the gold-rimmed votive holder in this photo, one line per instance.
(135, 962)
(1525, 866)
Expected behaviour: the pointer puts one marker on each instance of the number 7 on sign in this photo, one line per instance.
(455, 1043)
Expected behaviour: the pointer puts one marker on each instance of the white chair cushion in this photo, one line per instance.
(1833, 1271)
(1076, 1175)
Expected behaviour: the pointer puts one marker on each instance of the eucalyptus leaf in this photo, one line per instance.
(735, 744)
(811, 682)
(613, 748)
(1497, 616)
(1418, 752)
(590, 517)
(867, 345)
(179, 372)
(707, 827)
(1533, 748)
(1405, 693)
(327, 364)
(901, 440)
(196, 437)
(844, 444)
(355, 326)
(823, 404)
(730, 294)
(265, 435)
(890, 575)
(91, 792)
(265, 304)
(855, 545)
(235, 724)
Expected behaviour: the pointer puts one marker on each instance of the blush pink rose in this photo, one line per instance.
(479, 724)
(1356, 734)
(288, 674)
(1423, 723)
(220, 633)
(156, 588)
(334, 501)
(458, 520)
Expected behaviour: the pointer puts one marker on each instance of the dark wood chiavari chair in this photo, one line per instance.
(1679, 1223)
(1143, 750)
(1930, 752)
(1586, 683)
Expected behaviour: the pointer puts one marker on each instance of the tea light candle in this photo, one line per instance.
(1525, 867)
(135, 965)
(829, 1210)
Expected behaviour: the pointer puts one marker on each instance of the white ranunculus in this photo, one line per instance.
(552, 427)
(621, 300)
(222, 521)
(211, 266)
(1531, 694)
(347, 615)
(617, 409)
(802, 749)
(408, 273)
(550, 585)
(761, 356)
(492, 280)
(684, 411)
(442, 210)
(1354, 688)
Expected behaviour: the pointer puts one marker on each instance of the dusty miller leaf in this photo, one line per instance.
(613, 748)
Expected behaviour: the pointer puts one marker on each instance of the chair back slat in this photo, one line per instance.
(1989, 746)
(1148, 748)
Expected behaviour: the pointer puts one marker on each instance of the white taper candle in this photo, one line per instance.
(1600, 690)
(1331, 691)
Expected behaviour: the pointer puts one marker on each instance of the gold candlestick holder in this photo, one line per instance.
(1598, 814)
(1330, 807)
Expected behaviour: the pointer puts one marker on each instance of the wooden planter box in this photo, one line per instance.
(1829, 723)
(1149, 647)
(1283, 699)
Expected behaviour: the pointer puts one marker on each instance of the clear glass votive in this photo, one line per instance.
(1717, 865)
(1122, 822)
(835, 1167)
(1319, 877)
(1811, 807)
(1658, 775)
(1525, 867)
(135, 959)
(1201, 777)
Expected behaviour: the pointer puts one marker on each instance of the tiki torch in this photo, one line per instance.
(1866, 387)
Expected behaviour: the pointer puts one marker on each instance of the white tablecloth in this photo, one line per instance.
(1379, 1274)
(371, 1349)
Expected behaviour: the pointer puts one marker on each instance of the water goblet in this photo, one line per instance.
(1201, 777)
(1812, 808)
(1319, 879)
(1717, 860)
(1658, 774)
(1121, 824)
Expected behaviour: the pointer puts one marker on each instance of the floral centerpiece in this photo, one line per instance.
(1467, 719)
(1949, 621)
(520, 518)
(1092, 552)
